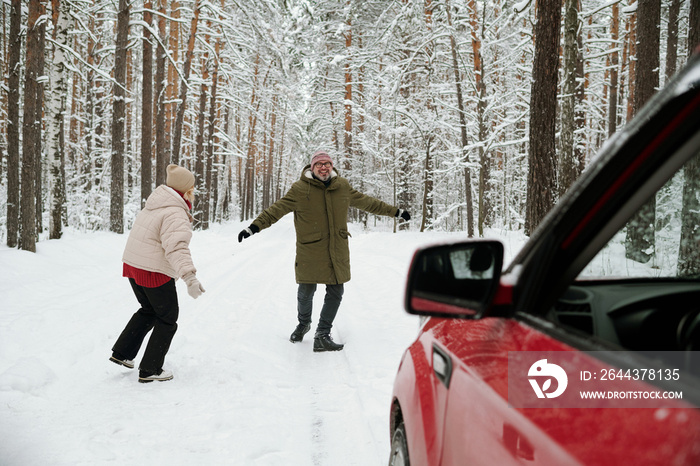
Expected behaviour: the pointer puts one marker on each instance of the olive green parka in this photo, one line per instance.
(321, 223)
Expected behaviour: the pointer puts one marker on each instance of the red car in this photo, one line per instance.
(586, 348)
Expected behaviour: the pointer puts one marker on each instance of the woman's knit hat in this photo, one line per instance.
(179, 178)
(320, 156)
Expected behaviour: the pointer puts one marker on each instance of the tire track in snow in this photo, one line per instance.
(336, 410)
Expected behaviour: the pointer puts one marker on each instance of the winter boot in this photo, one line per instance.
(117, 359)
(325, 343)
(299, 333)
(162, 376)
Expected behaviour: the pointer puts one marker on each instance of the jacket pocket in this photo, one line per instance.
(344, 234)
(310, 238)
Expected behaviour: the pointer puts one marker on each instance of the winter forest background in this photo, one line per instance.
(468, 114)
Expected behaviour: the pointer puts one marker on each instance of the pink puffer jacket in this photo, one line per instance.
(160, 238)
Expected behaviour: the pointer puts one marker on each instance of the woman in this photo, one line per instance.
(156, 254)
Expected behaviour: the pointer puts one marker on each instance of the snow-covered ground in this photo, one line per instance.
(242, 393)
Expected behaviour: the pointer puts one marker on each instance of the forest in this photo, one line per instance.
(470, 114)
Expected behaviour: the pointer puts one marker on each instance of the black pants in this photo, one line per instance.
(159, 312)
(331, 302)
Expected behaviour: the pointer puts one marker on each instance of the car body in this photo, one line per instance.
(571, 292)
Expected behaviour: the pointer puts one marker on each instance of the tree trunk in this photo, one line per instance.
(614, 61)
(161, 54)
(648, 47)
(76, 126)
(116, 211)
(130, 127)
(56, 122)
(672, 41)
(39, 161)
(541, 181)
(240, 168)
(428, 174)
(269, 192)
(90, 110)
(568, 165)
(212, 140)
(13, 124)
(147, 106)
(280, 151)
(171, 88)
(580, 118)
(201, 201)
(694, 28)
(180, 117)
(359, 151)
(31, 130)
(380, 130)
(248, 200)
(632, 56)
(405, 197)
(689, 252)
(4, 73)
(226, 192)
(264, 169)
(640, 243)
(463, 129)
(484, 162)
(334, 134)
(347, 140)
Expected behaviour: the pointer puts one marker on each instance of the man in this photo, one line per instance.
(320, 200)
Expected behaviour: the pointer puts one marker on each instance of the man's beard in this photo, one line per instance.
(322, 177)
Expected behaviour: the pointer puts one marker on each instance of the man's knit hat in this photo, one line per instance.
(179, 178)
(320, 156)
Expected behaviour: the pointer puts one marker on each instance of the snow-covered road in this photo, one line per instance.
(242, 393)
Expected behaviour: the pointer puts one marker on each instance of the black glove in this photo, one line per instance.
(251, 230)
(403, 214)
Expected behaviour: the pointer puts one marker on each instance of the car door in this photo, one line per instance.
(480, 426)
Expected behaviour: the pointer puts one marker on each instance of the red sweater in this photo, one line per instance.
(147, 278)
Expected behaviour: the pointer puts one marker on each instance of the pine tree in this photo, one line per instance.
(180, 116)
(31, 134)
(462, 127)
(116, 211)
(689, 252)
(639, 242)
(541, 181)
(13, 125)
(147, 105)
(569, 167)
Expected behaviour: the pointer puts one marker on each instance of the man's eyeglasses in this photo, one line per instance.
(323, 164)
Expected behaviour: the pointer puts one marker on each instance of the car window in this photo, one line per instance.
(661, 240)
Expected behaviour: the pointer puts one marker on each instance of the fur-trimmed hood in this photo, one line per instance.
(307, 173)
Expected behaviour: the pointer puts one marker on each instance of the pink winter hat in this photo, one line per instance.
(320, 156)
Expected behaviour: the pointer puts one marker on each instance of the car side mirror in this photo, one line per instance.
(454, 280)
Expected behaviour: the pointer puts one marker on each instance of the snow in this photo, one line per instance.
(242, 393)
